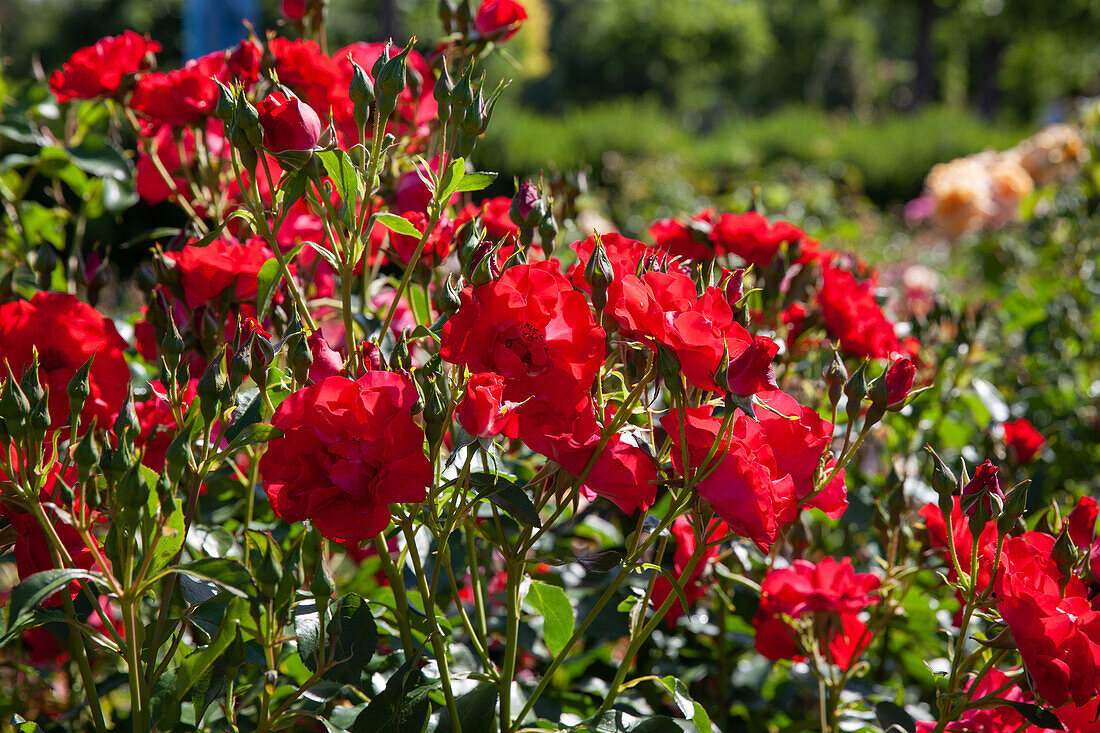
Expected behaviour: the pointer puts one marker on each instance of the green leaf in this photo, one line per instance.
(476, 710)
(557, 612)
(889, 714)
(33, 591)
(293, 187)
(450, 180)
(692, 710)
(260, 432)
(118, 196)
(403, 707)
(171, 539)
(22, 725)
(352, 639)
(229, 574)
(398, 224)
(475, 181)
(252, 413)
(506, 495)
(100, 157)
(344, 175)
(1037, 716)
(268, 279)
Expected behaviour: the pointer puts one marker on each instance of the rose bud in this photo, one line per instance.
(525, 211)
(370, 356)
(890, 390)
(289, 125)
(734, 287)
(751, 371)
(982, 498)
(483, 411)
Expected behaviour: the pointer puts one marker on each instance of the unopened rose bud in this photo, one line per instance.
(890, 390)
(548, 232)
(734, 288)
(855, 389)
(944, 483)
(211, 389)
(30, 383)
(240, 366)
(599, 274)
(127, 424)
(79, 387)
(462, 98)
(835, 375)
(442, 92)
(227, 103)
(370, 357)
(45, 260)
(982, 498)
(178, 456)
(483, 265)
(299, 358)
(390, 82)
(668, 367)
(450, 298)
(86, 456)
(383, 57)
(523, 211)
(361, 93)
(1014, 508)
(1064, 555)
(751, 371)
(400, 358)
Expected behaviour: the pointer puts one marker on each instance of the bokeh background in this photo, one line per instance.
(662, 107)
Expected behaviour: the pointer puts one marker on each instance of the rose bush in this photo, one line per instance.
(376, 451)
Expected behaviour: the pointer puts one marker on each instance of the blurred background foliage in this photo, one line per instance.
(665, 102)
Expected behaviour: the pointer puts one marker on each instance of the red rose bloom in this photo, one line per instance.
(689, 240)
(1022, 437)
(483, 411)
(831, 588)
(936, 527)
(349, 450)
(989, 720)
(292, 9)
(686, 544)
(663, 307)
(1081, 522)
(798, 437)
(852, 315)
(495, 220)
(499, 17)
(747, 488)
(531, 328)
(177, 97)
(312, 75)
(221, 267)
(751, 238)
(98, 70)
(288, 124)
(66, 333)
(1056, 629)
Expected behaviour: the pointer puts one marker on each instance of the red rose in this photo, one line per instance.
(177, 97)
(437, 246)
(624, 253)
(531, 328)
(686, 544)
(852, 315)
(416, 105)
(831, 587)
(1022, 437)
(495, 220)
(689, 240)
(798, 437)
(751, 238)
(288, 124)
(499, 17)
(66, 333)
(936, 528)
(990, 720)
(311, 75)
(98, 70)
(349, 450)
(751, 371)
(1055, 628)
(664, 308)
(622, 472)
(221, 267)
(483, 411)
(1081, 522)
(293, 9)
(746, 487)
(158, 424)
